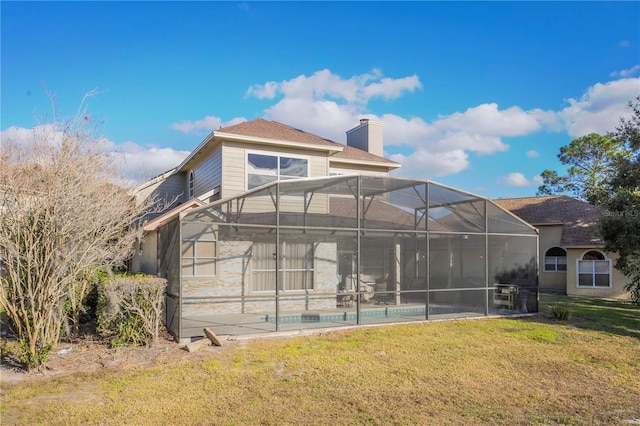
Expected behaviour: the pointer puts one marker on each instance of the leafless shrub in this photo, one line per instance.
(61, 218)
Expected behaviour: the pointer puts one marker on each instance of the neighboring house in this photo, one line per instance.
(274, 228)
(572, 258)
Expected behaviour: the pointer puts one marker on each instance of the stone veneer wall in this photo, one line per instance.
(231, 287)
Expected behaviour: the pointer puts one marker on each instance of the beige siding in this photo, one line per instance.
(234, 159)
(617, 278)
(550, 236)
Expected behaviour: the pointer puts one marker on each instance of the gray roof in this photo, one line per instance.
(579, 219)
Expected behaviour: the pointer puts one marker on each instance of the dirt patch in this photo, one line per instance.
(90, 353)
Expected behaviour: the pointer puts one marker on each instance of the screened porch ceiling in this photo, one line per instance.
(385, 203)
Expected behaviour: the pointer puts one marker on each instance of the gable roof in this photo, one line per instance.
(264, 131)
(578, 219)
(262, 128)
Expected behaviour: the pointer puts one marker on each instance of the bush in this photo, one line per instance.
(130, 309)
(560, 312)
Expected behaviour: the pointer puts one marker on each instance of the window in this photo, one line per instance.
(262, 168)
(198, 250)
(296, 267)
(555, 260)
(594, 270)
(191, 184)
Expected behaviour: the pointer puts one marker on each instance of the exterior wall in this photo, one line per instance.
(550, 236)
(232, 284)
(172, 188)
(235, 158)
(618, 280)
(146, 260)
(207, 174)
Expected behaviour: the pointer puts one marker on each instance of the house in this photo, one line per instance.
(274, 228)
(572, 258)
(235, 159)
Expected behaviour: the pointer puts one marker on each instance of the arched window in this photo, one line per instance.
(191, 184)
(555, 260)
(594, 270)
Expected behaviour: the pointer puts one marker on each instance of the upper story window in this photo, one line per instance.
(191, 184)
(594, 270)
(555, 260)
(265, 168)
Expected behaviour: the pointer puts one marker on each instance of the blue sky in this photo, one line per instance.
(477, 95)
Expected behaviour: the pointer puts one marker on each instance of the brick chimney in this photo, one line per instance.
(367, 136)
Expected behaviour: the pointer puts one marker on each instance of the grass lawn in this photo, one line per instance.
(495, 371)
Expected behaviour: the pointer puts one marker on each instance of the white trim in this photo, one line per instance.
(593, 274)
(278, 142)
(386, 164)
(556, 270)
(196, 151)
(277, 155)
(191, 184)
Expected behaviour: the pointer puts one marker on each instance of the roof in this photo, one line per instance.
(154, 224)
(262, 128)
(578, 218)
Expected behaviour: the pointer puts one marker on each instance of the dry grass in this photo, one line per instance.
(502, 371)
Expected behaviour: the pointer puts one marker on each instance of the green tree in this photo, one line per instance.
(590, 159)
(620, 225)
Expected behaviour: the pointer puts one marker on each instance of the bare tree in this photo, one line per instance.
(61, 218)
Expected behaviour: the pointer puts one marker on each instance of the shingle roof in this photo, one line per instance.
(262, 128)
(578, 218)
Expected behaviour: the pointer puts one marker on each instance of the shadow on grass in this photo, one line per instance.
(610, 316)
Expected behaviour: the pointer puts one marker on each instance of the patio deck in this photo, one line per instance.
(246, 324)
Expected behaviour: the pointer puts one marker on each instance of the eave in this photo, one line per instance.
(386, 164)
(154, 224)
(221, 136)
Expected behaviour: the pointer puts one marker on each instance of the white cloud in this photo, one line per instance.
(20, 135)
(486, 119)
(600, 108)
(327, 104)
(324, 84)
(519, 179)
(389, 88)
(263, 91)
(533, 153)
(626, 73)
(424, 163)
(205, 125)
(135, 163)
